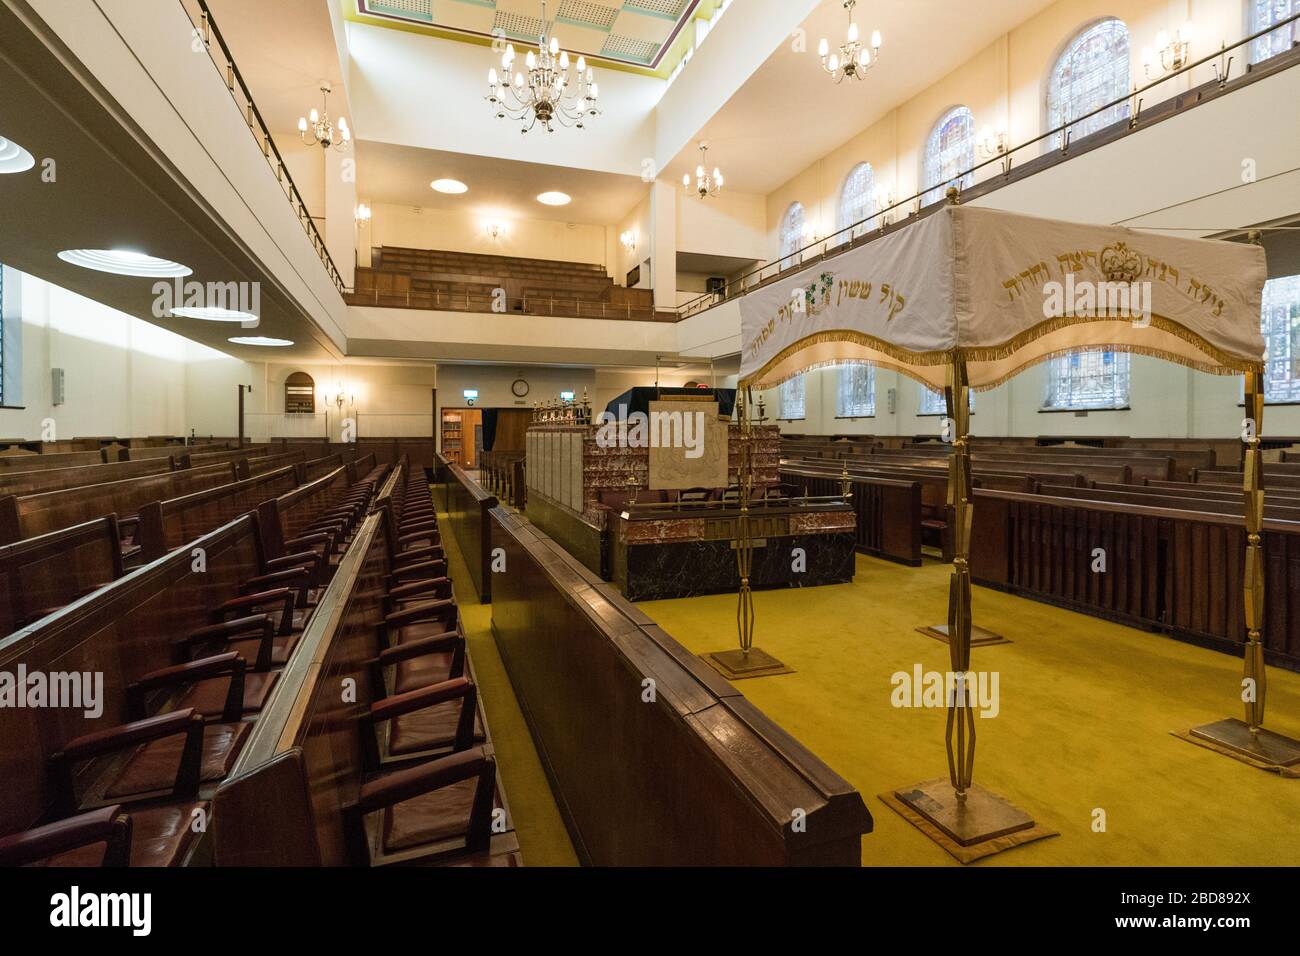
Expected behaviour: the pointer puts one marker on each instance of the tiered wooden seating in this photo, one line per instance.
(30, 515)
(75, 476)
(435, 279)
(177, 709)
(42, 574)
(328, 780)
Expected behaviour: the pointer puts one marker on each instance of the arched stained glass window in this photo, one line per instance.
(949, 152)
(1088, 379)
(791, 233)
(1094, 70)
(1281, 326)
(1265, 13)
(857, 392)
(856, 201)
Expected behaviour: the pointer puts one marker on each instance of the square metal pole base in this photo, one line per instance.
(979, 636)
(737, 665)
(982, 816)
(1263, 745)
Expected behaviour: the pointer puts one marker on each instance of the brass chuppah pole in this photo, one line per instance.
(967, 814)
(1247, 739)
(749, 661)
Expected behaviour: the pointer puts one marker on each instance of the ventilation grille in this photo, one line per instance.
(421, 10)
(668, 9)
(630, 48)
(516, 26)
(583, 13)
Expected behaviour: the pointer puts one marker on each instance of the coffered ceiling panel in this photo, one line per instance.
(632, 32)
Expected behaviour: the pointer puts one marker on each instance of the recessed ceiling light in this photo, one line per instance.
(554, 199)
(13, 158)
(213, 314)
(260, 340)
(452, 186)
(124, 262)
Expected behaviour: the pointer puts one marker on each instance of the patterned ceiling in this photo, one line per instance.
(636, 33)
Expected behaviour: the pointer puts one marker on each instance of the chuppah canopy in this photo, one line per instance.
(1008, 291)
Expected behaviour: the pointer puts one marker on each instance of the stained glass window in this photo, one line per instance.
(1088, 379)
(949, 152)
(792, 399)
(933, 403)
(856, 202)
(1094, 70)
(791, 232)
(1265, 13)
(857, 392)
(1281, 326)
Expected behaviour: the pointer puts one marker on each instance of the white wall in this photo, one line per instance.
(394, 225)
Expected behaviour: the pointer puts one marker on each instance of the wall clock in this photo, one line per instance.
(519, 387)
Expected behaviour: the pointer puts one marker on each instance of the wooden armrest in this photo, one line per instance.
(424, 778)
(458, 688)
(188, 722)
(412, 588)
(438, 643)
(304, 577)
(108, 825)
(283, 596)
(420, 612)
(191, 672)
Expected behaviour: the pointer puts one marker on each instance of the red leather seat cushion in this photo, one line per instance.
(209, 697)
(423, 671)
(153, 765)
(433, 728)
(281, 648)
(160, 836)
(430, 818)
(413, 632)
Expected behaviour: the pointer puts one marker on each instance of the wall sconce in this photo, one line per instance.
(495, 230)
(340, 398)
(991, 143)
(629, 240)
(363, 212)
(1174, 53)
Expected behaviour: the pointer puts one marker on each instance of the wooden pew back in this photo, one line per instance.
(122, 632)
(48, 511)
(42, 574)
(77, 476)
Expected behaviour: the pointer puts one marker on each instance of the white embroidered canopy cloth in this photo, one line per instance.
(1008, 291)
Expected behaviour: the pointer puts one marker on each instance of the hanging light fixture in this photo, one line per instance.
(317, 129)
(853, 59)
(547, 92)
(706, 184)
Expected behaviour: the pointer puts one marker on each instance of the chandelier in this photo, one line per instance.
(854, 59)
(547, 91)
(1174, 53)
(317, 130)
(706, 184)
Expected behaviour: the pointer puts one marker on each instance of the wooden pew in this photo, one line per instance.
(623, 768)
(76, 476)
(9, 462)
(168, 524)
(469, 509)
(30, 515)
(1169, 569)
(42, 574)
(888, 510)
(122, 632)
(295, 796)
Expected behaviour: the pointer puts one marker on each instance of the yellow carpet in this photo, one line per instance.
(1087, 712)
(543, 840)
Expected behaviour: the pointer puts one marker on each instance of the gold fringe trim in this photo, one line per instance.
(1223, 362)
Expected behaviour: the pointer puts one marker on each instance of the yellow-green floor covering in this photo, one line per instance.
(1087, 707)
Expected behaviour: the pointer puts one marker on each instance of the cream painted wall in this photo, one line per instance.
(1004, 84)
(527, 238)
(122, 376)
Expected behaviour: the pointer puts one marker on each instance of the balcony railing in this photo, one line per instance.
(205, 29)
(884, 221)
